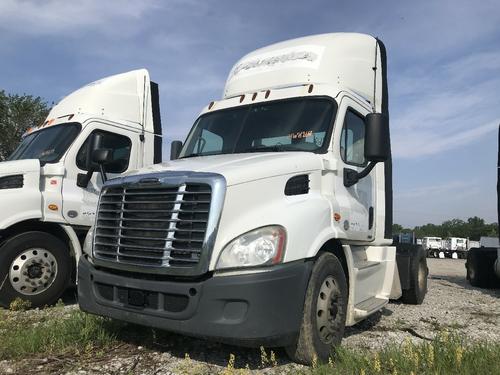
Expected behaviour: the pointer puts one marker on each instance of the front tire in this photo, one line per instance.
(34, 266)
(324, 313)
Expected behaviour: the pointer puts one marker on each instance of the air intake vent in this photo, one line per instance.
(12, 182)
(297, 185)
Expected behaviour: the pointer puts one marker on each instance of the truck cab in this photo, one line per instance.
(272, 223)
(50, 185)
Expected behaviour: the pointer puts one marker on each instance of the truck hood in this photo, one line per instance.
(24, 200)
(240, 168)
(19, 167)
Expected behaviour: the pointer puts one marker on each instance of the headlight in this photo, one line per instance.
(263, 246)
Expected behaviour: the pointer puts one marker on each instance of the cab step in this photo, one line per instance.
(368, 307)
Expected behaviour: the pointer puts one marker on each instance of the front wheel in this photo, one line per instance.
(34, 266)
(324, 315)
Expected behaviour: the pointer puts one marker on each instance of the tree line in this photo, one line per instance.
(18, 113)
(473, 228)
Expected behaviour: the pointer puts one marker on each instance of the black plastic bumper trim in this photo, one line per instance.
(263, 308)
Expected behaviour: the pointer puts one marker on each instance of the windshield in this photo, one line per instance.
(299, 124)
(47, 145)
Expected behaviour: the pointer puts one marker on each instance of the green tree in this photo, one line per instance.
(396, 228)
(473, 228)
(17, 114)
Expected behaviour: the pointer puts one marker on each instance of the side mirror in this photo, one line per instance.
(175, 149)
(102, 156)
(377, 147)
(95, 157)
(377, 141)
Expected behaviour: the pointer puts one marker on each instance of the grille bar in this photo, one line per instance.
(159, 226)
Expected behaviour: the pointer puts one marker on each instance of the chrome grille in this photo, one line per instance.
(158, 226)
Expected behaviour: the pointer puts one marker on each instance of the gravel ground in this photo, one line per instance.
(451, 303)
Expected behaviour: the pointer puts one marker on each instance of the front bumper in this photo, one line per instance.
(263, 308)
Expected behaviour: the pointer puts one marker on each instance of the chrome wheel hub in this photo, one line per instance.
(33, 271)
(327, 310)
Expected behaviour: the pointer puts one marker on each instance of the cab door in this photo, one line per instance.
(357, 202)
(80, 203)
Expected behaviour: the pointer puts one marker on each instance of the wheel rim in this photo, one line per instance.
(422, 277)
(328, 310)
(33, 271)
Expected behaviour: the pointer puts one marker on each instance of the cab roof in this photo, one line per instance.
(345, 60)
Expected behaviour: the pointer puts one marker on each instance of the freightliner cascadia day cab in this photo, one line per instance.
(273, 225)
(50, 185)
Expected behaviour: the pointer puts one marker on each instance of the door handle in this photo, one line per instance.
(370, 217)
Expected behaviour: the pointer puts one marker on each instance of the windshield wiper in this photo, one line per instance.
(194, 154)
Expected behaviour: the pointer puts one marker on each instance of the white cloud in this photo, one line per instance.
(415, 143)
(455, 188)
(447, 106)
(53, 17)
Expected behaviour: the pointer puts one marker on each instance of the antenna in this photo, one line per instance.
(375, 77)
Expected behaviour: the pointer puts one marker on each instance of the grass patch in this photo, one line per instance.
(58, 331)
(77, 332)
(447, 354)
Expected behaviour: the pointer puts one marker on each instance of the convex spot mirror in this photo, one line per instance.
(102, 156)
(175, 149)
(377, 143)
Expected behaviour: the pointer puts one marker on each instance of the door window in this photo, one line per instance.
(119, 144)
(352, 139)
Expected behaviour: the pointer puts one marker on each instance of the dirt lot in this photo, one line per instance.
(451, 304)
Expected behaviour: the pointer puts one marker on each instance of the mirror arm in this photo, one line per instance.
(365, 172)
(351, 177)
(103, 173)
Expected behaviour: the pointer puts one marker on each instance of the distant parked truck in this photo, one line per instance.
(455, 247)
(488, 242)
(405, 237)
(432, 246)
(471, 244)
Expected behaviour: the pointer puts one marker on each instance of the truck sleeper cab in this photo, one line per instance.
(49, 186)
(272, 224)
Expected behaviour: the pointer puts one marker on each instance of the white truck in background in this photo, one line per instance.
(273, 225)
(472, 243)
(50, 185)
(433, 246)
(455, 247)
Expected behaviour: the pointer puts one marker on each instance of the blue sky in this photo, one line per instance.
(444, 73)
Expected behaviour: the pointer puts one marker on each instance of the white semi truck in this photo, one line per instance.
(273, 224)
(433, 246)
(49, 186)
(455, 247)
